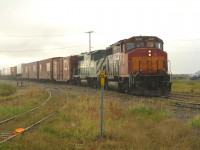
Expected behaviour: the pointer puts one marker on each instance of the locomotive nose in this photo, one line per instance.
(148, 61)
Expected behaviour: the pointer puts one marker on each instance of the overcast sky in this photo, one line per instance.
(32, 30)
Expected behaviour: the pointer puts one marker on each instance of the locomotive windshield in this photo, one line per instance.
(134, 45)
(130, 46)
(98, 55)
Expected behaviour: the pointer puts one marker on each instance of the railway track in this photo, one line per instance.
(179, 100)
(184, 106)
(184, 100)
(37, 115)
(9, 135)
(33, 109)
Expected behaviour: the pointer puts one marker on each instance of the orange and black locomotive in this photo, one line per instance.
(138, 65)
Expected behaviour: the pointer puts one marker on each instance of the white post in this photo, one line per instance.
(89, 39)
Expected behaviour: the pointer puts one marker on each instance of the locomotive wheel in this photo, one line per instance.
(106, 86)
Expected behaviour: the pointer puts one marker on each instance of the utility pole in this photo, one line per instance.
(89, 39)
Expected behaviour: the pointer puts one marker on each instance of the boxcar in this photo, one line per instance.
(30, 70)
(13, 72)
(63, 68)
(45, 68)
(24, 71)
(33, 70)
(19, 70)
(6, 73)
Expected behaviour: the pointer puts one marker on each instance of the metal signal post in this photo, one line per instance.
(102, 75)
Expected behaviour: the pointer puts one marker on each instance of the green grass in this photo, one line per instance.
(4, 111)
(20, 102)
(186, 86)
(150, 112)
(7, 89)
(139, 125)
(195, 122)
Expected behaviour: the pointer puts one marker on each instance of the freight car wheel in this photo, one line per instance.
(123, 86)
(77, 81)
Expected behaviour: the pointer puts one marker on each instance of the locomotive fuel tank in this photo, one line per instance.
(84, 82)
(113, 85)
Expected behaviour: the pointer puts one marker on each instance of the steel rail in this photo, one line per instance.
(186, 94)
(182, 102)
(33, 109)
(33, 125)
(28, 128)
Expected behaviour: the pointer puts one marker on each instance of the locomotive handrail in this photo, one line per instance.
(169, 62)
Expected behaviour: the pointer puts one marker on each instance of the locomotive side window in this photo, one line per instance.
(121, 47)
(92, 57)
(103, 54)
(130, 46)
(109, 51)
(158, 45)
(116, 49)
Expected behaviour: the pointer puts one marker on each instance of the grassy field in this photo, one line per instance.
(15, 100)
(136, 126)
(186, 86)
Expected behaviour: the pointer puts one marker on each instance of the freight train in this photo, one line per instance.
(136, 65)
